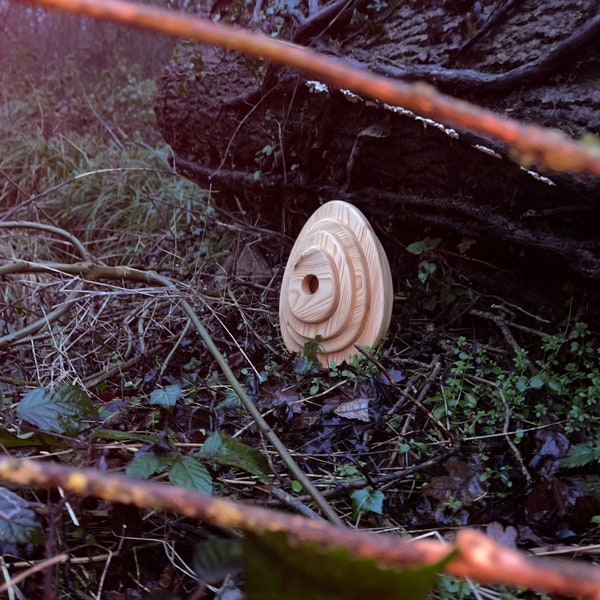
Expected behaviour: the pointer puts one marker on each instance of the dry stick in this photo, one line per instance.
(508, 336)
(422, 393)
(477, 556)
(97, 271)
(412, 399)
(550, 148)
(44, 564)
(52, 316)
(83, 251)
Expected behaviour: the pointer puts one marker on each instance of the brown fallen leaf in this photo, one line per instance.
(355, 409)
(507, 536)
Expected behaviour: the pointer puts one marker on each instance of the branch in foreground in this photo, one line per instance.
(534, 145)
(477, 556)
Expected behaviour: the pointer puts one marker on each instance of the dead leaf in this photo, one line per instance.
(396, 375)
(355, 409)
(507, 536)
(286, 403)
(552, 445)
(465, 245)
(461, 484)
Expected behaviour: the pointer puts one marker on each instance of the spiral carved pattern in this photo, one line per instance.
(337, 284)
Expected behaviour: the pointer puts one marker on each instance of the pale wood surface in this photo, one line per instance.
(337, 284)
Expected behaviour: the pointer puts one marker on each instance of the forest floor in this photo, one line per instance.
(479, 408)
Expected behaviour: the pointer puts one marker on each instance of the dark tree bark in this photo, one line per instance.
(280, 145)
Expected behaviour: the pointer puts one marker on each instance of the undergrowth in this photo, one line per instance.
(91, 164)
(140, 393)
(563, 381)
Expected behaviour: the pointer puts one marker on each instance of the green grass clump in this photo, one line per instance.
(87, 157)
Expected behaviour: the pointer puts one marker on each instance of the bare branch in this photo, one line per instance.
(476, 555)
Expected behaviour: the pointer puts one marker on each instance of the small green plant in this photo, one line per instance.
(188, 470)
(426, 267)
(580, 455)
(567, 372)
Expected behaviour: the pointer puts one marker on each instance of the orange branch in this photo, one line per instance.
(477, 556)
(549, 148)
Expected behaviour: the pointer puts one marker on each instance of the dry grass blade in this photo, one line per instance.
(95, 272)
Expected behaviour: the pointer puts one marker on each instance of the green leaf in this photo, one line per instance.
(61, 410)
(580, 455)
(521, 384)
(145, 465)
(125, 436)
(230, 400)
(367, 500)
(218, 558)
(17, 520)
(167, 396)
(312, 348)
(424, 245)
(426, 269)
(554, 385)
(536, 382)
(276, 568)
(30, 439)
(224, 450)
(187, 472)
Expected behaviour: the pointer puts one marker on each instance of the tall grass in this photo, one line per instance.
(85, 155)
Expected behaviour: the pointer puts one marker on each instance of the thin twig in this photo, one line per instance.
(506, 426)
(408, 396)
(40, 566)
(83, 251)
(501, 323)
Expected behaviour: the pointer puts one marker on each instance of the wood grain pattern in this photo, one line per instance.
(337, 284)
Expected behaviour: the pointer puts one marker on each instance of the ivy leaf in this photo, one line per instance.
(276, 568)
(367, 500)
(17, 520)
(167, 396)
(61, 410)
(187, 472)
(224, 450)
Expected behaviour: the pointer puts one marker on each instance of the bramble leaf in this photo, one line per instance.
(17, 520)
(217, 559)
(580, 455)
(145, 465)
(276, 568)
(224, 450)
(187, 472)
(60, 410)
